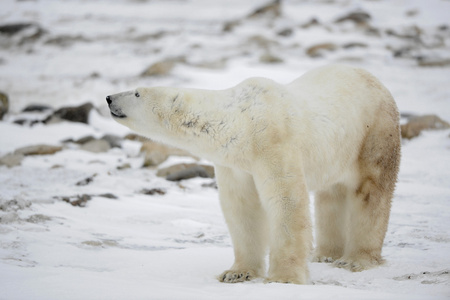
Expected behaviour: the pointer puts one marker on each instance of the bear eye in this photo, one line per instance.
(137, 94)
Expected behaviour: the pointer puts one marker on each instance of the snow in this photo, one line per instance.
(172, 246)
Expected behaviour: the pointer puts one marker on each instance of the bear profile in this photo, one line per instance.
(333, 131)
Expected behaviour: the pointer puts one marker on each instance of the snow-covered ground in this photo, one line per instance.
(171, 246)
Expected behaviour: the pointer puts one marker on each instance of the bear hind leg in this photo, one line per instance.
(369, 203)
(367, 225)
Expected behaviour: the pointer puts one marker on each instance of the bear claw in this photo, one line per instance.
(231, 276)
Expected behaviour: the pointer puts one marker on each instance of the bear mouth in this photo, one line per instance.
(118, 115)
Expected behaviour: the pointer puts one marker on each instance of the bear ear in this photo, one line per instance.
(137, 94)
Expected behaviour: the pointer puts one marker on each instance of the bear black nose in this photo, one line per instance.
(108, 99)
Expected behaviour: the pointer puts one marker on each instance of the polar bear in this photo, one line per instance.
(333, 131)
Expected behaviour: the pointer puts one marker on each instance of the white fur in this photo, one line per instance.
(272, 144)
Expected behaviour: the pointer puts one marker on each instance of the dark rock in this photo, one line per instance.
(36, 108)
(29, 32)
(136, 137)
(358, 17)
(11, 160)
(186, 171)
(285, 32)
(21, 121)
(38, 150)
(416, 125)
(270, 10)
(404, 51)
(86, 181)
(27, 122)
(354, 45)
(372, 31)
(74, 113)
(412, 12)
(66, 40)
(409, 33)
(81, 200)
(124, 166)
(94, 75)
(319, 49)
(12, 29)
(84, 140)
(443, 27)
(311, 23)
(109, 196)
(406, 115)
(155, 191)
(433, 62)
(270, 59)
(230, 25)
(4, 104)
(78, 200)
(191, 172)
(151, 36)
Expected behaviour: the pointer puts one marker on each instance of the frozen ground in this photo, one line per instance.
(172, 246)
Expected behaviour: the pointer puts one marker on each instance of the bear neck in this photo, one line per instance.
(204, 122)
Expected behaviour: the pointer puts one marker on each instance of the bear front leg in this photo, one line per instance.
(285, 198)
(331, 223)
(246, 222)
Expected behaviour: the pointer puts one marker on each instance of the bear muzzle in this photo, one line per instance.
(116, 112)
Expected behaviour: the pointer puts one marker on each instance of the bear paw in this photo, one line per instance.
(293, 275)
(357, 265)
(233, 276)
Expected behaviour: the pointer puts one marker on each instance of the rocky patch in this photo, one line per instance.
(427, 277)
(14, 204)
(72, 113)
(86, 181)
(267, 11)
(11, 160)
(360, 18)
(38, 218)
(41, 149)
(156, 153)
(320, 49)
(162, 68)
(180, 172)
(417, 124)
(4, 104)
(15, 158)
(83, 199)
(154, 191)
(78, 200)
